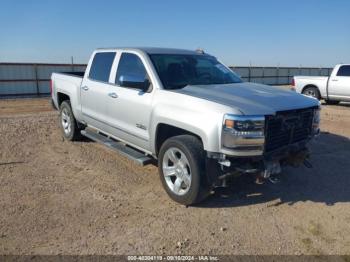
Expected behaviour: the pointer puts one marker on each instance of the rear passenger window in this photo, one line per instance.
(131, 65)
(101, 66)
(344, 71)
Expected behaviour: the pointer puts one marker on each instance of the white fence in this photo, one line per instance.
(277, 75)
(27, 79)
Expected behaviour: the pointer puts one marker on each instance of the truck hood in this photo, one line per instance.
(250, 98)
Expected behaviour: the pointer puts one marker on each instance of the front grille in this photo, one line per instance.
(288, 127)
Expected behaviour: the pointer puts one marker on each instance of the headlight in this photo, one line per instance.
(243, 132)
(244, 125)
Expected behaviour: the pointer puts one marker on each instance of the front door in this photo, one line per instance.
(129, 111)
(339, 85)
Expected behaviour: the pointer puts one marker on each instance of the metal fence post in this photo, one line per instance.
(72, 63)
(263, 75)
(249, 74)
(36, 79)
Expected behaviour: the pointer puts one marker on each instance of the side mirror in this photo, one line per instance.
(134, 81)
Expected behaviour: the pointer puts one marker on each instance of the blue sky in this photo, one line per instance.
(269, 32)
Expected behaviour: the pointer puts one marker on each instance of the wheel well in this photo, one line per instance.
(62, 97)
(307, 86)
(165, 131)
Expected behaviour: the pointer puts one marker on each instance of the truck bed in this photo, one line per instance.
(67, 83)
(320, 82)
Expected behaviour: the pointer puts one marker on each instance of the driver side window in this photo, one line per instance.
(130, 65)
(344, 71)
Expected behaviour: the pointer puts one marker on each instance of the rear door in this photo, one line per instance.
(339, 84)
(95, 89)
(129, 111)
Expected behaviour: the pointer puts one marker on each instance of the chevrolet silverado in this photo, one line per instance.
(187, 111)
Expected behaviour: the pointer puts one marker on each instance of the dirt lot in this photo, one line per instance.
(59, 197)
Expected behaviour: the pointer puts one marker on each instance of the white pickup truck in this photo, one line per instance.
(332, 89)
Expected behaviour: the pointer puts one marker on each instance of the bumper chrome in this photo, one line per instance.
(242, 145)
(242, 153)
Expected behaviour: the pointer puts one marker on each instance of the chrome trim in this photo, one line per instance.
(243, 118)
(242, 153)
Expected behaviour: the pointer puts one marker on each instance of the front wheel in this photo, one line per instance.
(181, 169)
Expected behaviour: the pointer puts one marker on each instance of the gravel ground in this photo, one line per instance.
(59, 197)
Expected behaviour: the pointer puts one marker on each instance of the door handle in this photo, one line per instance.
(85, 88)
(335, 80)
(113, 95)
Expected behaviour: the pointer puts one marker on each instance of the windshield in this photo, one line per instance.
(177, 71)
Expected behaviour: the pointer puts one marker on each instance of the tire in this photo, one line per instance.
(68, 123)
(181, 165)
(332, 102)
(312, 91)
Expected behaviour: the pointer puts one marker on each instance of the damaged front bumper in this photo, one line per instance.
(220, 166)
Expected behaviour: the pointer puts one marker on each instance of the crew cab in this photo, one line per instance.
(332, 89)
(187, 112)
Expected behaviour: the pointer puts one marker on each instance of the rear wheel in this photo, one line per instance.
(312, 91)
(69, 125)
(181, 169)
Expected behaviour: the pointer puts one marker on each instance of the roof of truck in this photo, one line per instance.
(157, 50)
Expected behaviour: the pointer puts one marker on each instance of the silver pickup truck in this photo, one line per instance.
(189, 112)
